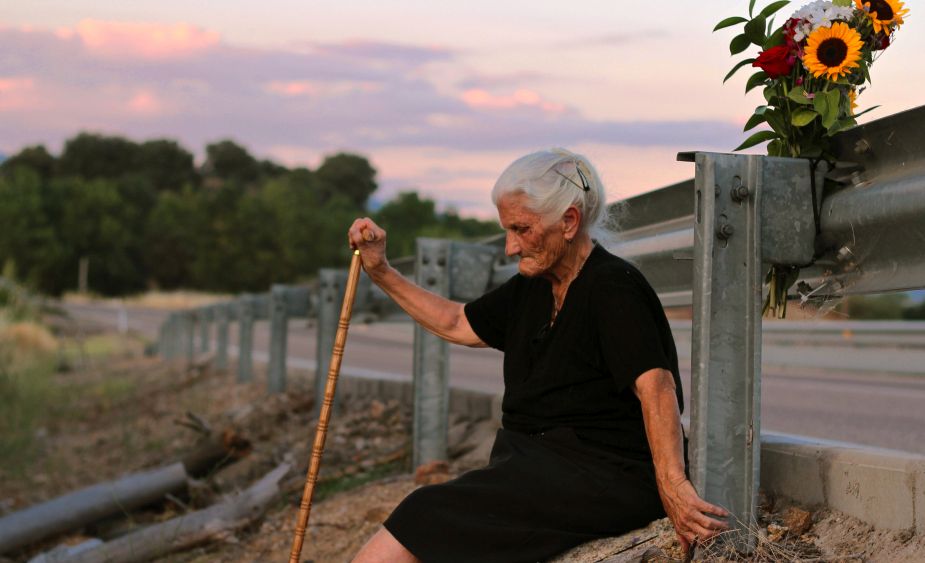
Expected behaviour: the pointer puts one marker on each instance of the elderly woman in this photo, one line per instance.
(592, 443)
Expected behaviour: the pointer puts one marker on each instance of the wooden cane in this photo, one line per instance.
(324, 416)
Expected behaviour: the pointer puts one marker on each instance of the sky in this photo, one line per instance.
(440, 96)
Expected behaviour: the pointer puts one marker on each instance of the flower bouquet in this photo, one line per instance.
(812, 69)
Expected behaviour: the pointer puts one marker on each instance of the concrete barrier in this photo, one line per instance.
(885, 488)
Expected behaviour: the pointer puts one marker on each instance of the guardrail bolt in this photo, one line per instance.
(844, 254)
(739, 193)
(724, 231)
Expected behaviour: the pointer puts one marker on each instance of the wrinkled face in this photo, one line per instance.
(539, 246)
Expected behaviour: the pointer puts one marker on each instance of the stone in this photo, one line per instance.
(799, 521)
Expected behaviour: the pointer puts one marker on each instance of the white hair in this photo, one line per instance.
(553, 180)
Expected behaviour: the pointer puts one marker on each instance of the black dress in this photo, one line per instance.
(572, 462)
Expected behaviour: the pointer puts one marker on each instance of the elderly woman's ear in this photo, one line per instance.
(571, 223)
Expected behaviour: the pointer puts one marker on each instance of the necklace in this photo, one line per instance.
(556, 305)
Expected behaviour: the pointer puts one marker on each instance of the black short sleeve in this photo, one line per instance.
(631, 340)
(489, 315)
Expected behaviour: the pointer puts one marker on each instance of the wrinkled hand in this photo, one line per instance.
(690, 514)
(369, 238)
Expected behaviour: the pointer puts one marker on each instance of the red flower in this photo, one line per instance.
(775, 61)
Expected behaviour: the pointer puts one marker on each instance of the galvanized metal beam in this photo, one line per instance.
(431, 360)
(743, 205)
(223, 314)
(246, 313)
(331, 286)
(279, 335)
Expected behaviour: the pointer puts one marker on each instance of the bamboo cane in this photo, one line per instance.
(324, 415)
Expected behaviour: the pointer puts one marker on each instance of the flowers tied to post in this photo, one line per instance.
(811, 68)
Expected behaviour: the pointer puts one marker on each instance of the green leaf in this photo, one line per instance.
(774, 39)
(756, 79)
(738, 44)
(832, 103)
(759, 137)
(821, 104)
(865, 111)
(755, 120)
(798, 95)
(777, 122)
(843, 3)
(802, 117)
(751, 7)
(770, 92)
(728, 22)
(737, 67)
(754, 30)
(775, 148)
(841, 125)
(773, 7)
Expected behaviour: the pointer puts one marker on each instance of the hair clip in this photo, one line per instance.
(584, 181)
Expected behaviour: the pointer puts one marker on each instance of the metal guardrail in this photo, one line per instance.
(705, 242)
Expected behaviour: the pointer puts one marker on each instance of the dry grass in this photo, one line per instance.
(26, 339)
(154, 299)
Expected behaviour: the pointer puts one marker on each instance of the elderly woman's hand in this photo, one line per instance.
(369, 238)
(690, 514)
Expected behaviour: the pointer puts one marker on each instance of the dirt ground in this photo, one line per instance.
(124, 412)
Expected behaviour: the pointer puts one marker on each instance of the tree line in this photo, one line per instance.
(144, 215)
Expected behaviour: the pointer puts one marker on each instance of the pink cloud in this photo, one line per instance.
(16, 92)
(142, 39)
(293, 88)
(145, 103)
(478, 98)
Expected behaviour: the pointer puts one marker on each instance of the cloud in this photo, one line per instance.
(478, 98)
(16, 92)
(183, 82)
(141, 39)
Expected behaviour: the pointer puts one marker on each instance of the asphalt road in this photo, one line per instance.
(872, 395)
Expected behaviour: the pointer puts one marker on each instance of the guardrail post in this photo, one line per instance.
(222, 314)
(245, 337)
(189, 335)
(279, 320)
(431, 360)
(331, 286)
(204, 316)
(746, 208)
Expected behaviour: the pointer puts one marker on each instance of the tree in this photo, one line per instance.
(94, 156)
(403, 218)
(349, 175)
(34, 158)
(99, 223)
(230, 162)
(29, 241)
(166, 164)
(171, 232)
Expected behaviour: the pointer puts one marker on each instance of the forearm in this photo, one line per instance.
(439, 315)
(662, 419)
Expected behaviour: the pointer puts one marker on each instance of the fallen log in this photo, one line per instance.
(189, 530)
(79, 508)
(91, 504)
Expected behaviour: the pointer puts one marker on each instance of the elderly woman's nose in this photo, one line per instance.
(511, 245)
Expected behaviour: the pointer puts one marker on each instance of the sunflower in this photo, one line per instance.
(832, 50)
(884, 14)
(852, 101)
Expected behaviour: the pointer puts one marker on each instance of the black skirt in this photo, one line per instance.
(540, 495)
